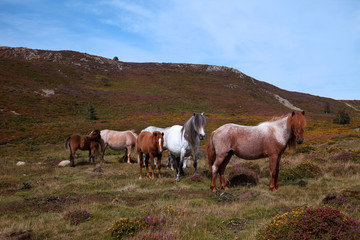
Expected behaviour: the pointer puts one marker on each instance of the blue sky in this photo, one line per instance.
(309, 46)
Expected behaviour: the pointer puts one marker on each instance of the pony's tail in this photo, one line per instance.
(67, 143)
(211, 154)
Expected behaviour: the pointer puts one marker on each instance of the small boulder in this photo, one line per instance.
(20, 163)
(64, 163)
(97, 169)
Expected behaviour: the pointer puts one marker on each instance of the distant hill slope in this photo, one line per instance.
(50, 91)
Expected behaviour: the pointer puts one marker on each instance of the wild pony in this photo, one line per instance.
(151, 145)
(83, 142)
(165, 131)
(183, 141)
(268, 139)
(117, 141)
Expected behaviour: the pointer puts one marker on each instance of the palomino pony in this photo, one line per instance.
(117, 141)
(83, 142)
(268, 139)
(183, 141)
(150, 144)
(165, 131)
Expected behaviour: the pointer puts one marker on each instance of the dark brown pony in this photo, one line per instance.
(83, 142)
(151, 145)
(268, 139)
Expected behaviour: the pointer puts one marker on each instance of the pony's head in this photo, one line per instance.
(158, 139)
(199, 123)
(95, 135)
(297, 123)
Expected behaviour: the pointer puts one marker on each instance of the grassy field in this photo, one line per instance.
(37, 197)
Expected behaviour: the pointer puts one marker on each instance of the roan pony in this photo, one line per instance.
(183, 141)
(117, 141)
(151, 145)
(268, 139)
(83, 142)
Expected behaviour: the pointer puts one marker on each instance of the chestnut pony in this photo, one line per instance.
(83, 142)
(268, 139)
(150, 145)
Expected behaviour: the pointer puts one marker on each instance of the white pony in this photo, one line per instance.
(165, 131)
(182, 141)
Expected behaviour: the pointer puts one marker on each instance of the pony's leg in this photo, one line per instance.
(222, 171)
(195, 157)
(140, 165)
(152, 166)
(184, 163)
(171, 160)
(272, 167)
(72, 154)
(182, 156)
(214, 172)
(158, 158)
(277, 187)
(128, 151)
(147, 166)
(177, 168)
(144, 159)
(103, 147)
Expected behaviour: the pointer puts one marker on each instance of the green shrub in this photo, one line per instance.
(311, 223)
(91, 112)
(307, 169)
(126, 227)
(342, 117)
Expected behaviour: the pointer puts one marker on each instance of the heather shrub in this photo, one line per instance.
(307, 169)
(311, 223)
(243, 176)
(346, 157)
(194, 178)
(77, 216)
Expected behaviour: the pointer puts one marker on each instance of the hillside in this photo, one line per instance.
(49, 91)
(45, 97)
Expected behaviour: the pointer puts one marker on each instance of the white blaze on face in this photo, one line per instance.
(160, 145)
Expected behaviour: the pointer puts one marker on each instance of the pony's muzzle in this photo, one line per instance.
(299, 141)
(202, 136)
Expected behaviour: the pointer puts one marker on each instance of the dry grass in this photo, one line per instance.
(117, 192)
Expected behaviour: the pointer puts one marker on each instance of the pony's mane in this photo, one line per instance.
(190, 133)
(292, 141)
(133, 132)
(273, 119)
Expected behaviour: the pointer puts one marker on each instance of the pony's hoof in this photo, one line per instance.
(177, 179)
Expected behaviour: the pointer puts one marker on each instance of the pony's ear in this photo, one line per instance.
(155, 134)
(303, 113)
(194, 113)
(162, 134)
(292, 114)
(203, 113)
